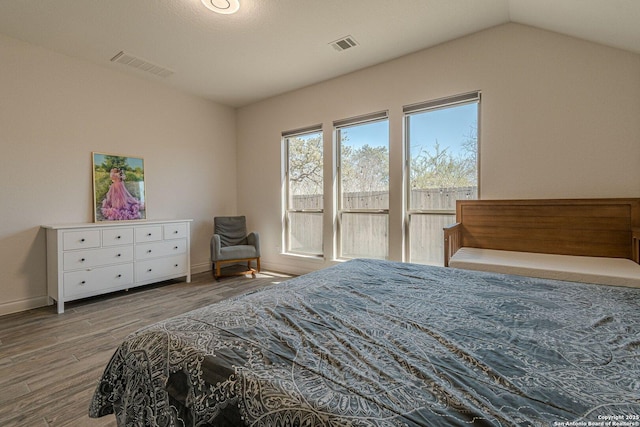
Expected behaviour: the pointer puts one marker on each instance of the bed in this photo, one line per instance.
(381, 343)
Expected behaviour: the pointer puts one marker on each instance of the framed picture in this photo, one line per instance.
(118, 188)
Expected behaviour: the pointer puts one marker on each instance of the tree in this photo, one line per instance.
(440, 169)
(117, 162)
(305, 166)
(470, 149)
(365, 169)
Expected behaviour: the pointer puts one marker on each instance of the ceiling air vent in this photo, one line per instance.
(344, 43)
(141, 64)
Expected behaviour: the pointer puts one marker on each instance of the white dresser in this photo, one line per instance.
(85, 260)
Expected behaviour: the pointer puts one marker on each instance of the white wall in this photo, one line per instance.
(559, 119)
(54, 111)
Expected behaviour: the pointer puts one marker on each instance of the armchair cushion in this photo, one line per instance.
(238, 252)
(231, 229)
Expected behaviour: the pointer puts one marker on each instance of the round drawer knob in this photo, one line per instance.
(176, 265)
(119, 276)
(175, 232)
(149, 234)
(82, 240)
(118, 255)
(82, 260)
(83, 282)
(148, 270)
(149, 251)
(118, 237)
(175, 247)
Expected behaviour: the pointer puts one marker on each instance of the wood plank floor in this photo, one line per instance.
(50, 363)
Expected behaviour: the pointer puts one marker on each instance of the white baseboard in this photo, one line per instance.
(200, 268)
(23, 305)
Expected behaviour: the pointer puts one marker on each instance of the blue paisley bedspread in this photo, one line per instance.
(379, 343)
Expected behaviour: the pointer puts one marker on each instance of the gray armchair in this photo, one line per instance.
(231, 244)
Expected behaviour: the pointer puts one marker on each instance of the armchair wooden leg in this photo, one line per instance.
(217, 274)
(249, 268)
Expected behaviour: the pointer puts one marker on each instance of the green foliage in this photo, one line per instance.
(102, 183)
(111, 162)
(119, 162)
(134, 175)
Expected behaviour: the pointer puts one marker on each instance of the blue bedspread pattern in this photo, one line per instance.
(379, 343)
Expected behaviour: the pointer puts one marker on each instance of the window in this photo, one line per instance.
(363, 186)
(303, 191)
(442, 163)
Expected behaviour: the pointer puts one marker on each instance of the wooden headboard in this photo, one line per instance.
(587, 227)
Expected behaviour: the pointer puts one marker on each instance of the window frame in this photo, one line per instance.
(473, 97)
(287, 209)
(338, 125)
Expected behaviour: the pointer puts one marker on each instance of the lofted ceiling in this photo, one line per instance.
(274, 46)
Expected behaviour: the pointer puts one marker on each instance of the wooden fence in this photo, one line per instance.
(366, 235)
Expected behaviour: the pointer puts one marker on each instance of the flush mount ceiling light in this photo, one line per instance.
(226, 7)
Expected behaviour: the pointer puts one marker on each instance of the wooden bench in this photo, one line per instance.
(586, 240)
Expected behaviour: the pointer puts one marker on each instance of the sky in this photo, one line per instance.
(449, 126)
(375, 134)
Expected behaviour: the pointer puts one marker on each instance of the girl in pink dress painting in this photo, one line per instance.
(119, 204)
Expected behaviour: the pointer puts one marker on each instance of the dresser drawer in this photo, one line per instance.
(117, 236)
(87, 259)
(81, 239)
(74, 260)
(97, 280)
(148, 234)
(161, 249)
(175, 231)
(163, 267)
